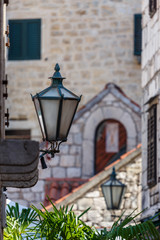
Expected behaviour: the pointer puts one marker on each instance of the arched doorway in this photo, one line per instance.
(110, 143)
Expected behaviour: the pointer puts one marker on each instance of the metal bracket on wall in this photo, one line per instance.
(8, 42)
(7, 31)
(7, 116)
(5, 95)
(5, 82)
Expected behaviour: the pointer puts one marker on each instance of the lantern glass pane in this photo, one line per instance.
(52, 92)
(107, 195)
(39, 114)
(50, 110)
(116, 195)
(67, 94)
(68, 110)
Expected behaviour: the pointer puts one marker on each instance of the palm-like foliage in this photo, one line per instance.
(62, 224)
(122, 230)
(139, 231)
(19, 224)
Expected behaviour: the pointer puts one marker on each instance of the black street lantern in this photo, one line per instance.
(113, 191)
(55, 107)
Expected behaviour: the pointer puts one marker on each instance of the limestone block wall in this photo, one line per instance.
(76, 158)
(98, 215)
(92, 41)
(151, 86)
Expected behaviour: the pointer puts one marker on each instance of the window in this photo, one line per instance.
(25, 39)
(110, 143)
(18, 134)
(152, 7)
(152, 146)
(137, 34)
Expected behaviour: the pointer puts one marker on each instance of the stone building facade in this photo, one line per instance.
(90, 195)
(151, 107)
(77, 158)
(93, 41)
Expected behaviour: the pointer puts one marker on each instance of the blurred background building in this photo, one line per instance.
(98, 47)
(151, 108)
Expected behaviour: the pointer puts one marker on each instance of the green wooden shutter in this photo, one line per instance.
(137, 34)
(25, 39)
(16, 41)
(33, 39)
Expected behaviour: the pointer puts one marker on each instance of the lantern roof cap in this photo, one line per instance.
(56, 90)
(56, 74)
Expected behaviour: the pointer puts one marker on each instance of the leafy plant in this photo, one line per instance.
(124, 230)
(63, 224)
(19, 224)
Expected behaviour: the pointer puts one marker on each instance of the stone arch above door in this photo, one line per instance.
(113, 105)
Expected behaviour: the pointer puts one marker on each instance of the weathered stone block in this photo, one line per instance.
(99, 203)
(75, 149)
(54, 161)
(73, 172)
(84, 203)
(45, 173)
(29, 195)
(87, 164)
(93, 194)
(94, 216)
(13, 195)
(39, 187)
(67, 161)
(64, 149)
(59, 172)
(77, 138)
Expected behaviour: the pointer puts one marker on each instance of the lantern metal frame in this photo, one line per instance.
(112, 181)
(58, 86)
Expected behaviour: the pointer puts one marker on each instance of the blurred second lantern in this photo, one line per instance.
(113, 191)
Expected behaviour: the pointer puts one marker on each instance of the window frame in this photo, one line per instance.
(18, 134)
(25, 44)
(152, 145)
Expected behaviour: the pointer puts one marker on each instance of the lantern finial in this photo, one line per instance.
(57, 74)
(113, 175)
(57, 67)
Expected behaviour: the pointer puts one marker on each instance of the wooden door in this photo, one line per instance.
(110, 143)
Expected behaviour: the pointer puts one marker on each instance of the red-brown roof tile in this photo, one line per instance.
(57, 188)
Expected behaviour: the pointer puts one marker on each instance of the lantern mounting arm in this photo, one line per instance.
(54, 148)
